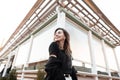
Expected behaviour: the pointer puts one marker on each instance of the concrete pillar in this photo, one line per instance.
(28, 57)
(15, 58)
(60, 17)
(92, 54)
(116, 59)
(105, 57)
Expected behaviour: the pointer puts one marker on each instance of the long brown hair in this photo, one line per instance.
(66, 42)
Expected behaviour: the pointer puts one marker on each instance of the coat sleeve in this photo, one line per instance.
(53, 62)
(53, 69)
(53, 65)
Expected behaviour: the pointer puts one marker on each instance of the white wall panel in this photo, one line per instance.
(22, 53)
(111, 58)
(99, 56)
(79, 42)
(41, 43)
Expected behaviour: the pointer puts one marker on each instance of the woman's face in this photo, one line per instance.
(59, 35)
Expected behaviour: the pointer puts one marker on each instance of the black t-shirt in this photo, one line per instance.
(62, 56)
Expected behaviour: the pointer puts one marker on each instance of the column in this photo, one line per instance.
(92, 54)
(105, 57)
(117, 63)
(30, 48)
(16, 54)
(60, 17)
(26, 63)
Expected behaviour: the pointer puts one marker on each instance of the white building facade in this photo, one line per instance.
(95, 53)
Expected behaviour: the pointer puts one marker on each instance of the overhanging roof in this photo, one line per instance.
(97, 11)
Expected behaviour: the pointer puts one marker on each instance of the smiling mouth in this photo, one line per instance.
(57, 37)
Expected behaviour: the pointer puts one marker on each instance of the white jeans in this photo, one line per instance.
(68, 78)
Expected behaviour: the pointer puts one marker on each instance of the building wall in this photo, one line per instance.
(79, 45)
(35, 49)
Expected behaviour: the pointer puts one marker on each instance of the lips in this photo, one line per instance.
(57, 37)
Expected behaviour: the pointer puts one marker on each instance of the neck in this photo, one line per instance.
(61, 45)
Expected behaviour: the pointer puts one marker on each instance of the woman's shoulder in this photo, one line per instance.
(54, 44)
(53, 48)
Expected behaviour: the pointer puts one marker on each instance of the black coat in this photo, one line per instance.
(54, 71)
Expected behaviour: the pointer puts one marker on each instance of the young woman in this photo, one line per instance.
(59, 65)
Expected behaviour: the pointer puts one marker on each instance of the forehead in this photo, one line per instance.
(59, 30)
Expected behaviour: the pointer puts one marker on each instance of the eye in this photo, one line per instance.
(59, 32)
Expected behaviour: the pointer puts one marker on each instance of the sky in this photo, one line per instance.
(13, 12)
(111, 8)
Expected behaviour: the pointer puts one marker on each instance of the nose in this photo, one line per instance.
(56, 34)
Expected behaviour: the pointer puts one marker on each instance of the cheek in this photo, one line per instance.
(63, 37)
